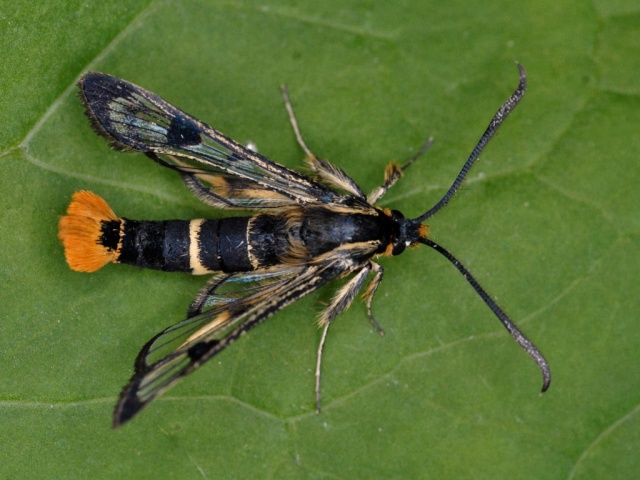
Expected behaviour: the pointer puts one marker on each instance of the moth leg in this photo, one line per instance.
(340, 302)
(370, 292)
(319, 363)
(327, 171)
(344, 297)
(294, 124)
(393, 172)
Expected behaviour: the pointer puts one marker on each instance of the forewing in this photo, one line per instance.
(217, 310)
(219, 318)
(229, 192)
(133, 118)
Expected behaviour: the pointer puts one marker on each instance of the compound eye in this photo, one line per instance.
(398, 248)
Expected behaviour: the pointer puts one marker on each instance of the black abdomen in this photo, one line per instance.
(239, 244)
(192, 246)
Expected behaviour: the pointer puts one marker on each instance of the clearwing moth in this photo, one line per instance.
(305, 232)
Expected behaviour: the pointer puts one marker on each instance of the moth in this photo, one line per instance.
(304, 232)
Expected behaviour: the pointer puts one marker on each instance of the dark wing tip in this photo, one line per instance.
(129, 405)
(97, 90)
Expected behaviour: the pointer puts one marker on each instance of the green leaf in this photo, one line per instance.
(548, 223)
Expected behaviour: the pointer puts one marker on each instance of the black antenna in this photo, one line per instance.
(511, 327)
(495, 123)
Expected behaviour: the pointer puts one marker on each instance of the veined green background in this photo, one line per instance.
(548, 223)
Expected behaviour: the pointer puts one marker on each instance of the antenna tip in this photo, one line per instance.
(546, 378)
